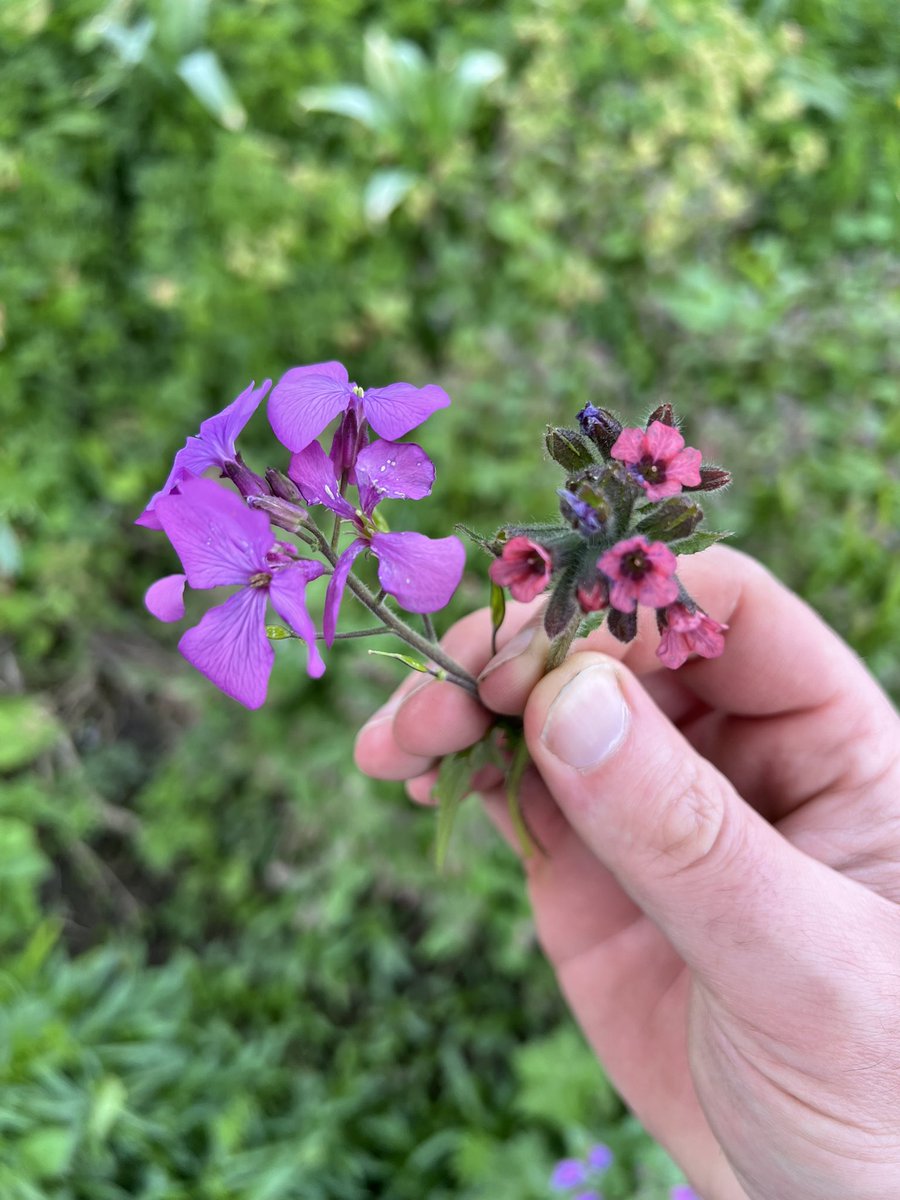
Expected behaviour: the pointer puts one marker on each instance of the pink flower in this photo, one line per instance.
(524, 567)
(658, 459)
(641, 572)
(687, 633)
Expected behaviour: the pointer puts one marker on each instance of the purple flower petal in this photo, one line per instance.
(394, 410)
(213, 446)
(165, 598)
(287, 591)
(313, 472)
(683, 1192)
(217, 537)
(421, 572)
(221, 431)
(305, 399)
(230, 647)
(336, 585)
(397, 470)
(568, 1173)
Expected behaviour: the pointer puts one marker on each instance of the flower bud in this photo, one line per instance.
(593, 595)
(247, 482)
(711, 479)
(664, 413)
(568, 448)
(622, 625)
(600, 426)
(282, 486)
(280, 512)
(671, 519)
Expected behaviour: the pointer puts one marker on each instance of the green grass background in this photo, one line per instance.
(228, 970)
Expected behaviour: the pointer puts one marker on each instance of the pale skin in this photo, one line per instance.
(720, 892)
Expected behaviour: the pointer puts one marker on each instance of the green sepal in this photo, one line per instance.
(414, 664)
(591, 622)
(670, 520)
(498, 612)
(378, 520)
(278, 633)
(491, 545)
(701, 540)
(569, 448)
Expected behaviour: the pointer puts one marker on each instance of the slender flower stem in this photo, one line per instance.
(429, 627)
(377, 631)
(561, 644)
(455, 673)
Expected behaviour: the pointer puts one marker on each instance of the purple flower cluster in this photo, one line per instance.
(225, 538)
(579, 1177)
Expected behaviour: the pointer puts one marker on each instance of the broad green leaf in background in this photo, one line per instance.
(384, 192)
(203, 74)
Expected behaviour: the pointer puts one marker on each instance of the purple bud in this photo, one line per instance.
(247, 482)
(600, 1157)
(664, 413)
(349, 439)
(600, 426)
(280, 512)
(711, 479)
(282, 486)
(587, 518)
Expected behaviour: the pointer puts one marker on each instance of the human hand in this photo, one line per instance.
(719, 895)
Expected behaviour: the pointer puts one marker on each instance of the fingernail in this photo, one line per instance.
(588, 720)
(513, 648)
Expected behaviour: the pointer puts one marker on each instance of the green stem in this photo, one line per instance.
(562, 643)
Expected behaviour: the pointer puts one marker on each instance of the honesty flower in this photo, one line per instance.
(685, 632)
(213, 446)
(421, 572)
(222, 542)
(641, 572)
(658, 459)
(306, 399)
(524, 567)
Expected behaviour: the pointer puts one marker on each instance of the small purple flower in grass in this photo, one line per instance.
(641, 572)
(222, 542)
(213, 446)
(600, 1157)
(568, 1173)
(683, 1192)
(306, 399)
(421, 572)
(591, 1195)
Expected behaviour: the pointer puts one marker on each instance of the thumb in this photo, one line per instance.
(747, 911)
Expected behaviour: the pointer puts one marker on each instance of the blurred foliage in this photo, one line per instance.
(228, 969)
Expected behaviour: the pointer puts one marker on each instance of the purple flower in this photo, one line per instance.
(570, 1172)
(306, 399)
(591, 1195)
(213, 446)
(600, 1157)
(421, 572)
(683, 1192)
(221, 542)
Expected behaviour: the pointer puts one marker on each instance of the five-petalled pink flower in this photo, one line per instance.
(658, 459)
(640, 572)
(524, 567)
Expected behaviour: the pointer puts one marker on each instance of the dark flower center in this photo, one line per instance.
(260, 580)
(635, 565)
(652, 471)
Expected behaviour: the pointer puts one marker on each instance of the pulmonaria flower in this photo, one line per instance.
(641, 572)
(421, 572)
(306, 399)
(658, 459)
(568, 1173)
(213, 446)
(221, 542)
(524, 567)
(686, 632)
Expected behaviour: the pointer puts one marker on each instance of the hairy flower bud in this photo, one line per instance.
(568, 448)
(664, 414)
(711, 479)
(600, 426)
(671, 519)
(282, 486)
(247, 482)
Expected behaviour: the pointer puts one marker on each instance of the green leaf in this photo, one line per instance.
(701, 540)
(520, 761)
(415, 663)
(384, 192)
(206, 78)
(26, 731)
(452, 787)
(479, 68)
(498, 612)
(47, 1152)
(344, 100)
